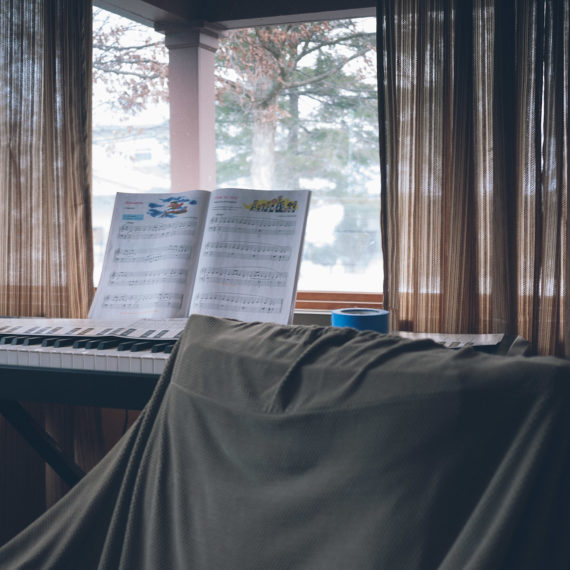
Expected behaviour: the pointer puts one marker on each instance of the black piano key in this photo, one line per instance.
(100, 343)
(140, 346)
(61, 342)
(105, 344)
(33, 340)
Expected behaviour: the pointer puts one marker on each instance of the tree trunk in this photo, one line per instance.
(263, 152)
(293, 178)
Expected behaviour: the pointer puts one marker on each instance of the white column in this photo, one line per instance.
(192, 110)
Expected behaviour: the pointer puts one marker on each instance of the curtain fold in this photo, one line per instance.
(46, 259)
(474, 144)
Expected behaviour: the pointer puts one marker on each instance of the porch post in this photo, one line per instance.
(192, 111)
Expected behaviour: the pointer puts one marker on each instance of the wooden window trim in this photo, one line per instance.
(329, 300)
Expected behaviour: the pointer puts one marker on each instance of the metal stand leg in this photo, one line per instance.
(41, 441)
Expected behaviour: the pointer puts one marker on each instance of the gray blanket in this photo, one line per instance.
(269, 447)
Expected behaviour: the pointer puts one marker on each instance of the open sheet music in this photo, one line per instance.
(228, 253)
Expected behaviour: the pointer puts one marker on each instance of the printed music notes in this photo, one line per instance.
(142, 278)
(129, 302)
(248, 225)
(236, 302)
(151, 255)
(248, 250)
(237, 276)
(158, 231)
(229, 253)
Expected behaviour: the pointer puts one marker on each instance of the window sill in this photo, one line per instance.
(329, 300)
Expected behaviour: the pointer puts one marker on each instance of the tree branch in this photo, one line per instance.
(338, 41)
(326, 74)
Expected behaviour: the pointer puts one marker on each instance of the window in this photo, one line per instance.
(299, 110)
(130, 117)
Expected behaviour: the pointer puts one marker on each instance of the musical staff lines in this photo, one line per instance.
(186, 227)
(144, 278)
(151, 255)
(219, 301)
(156, 300)
(253, 225)
(248, 250)
(253, 276)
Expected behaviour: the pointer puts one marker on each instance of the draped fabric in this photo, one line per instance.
(474, 144)
(46, 260)
(325, 448)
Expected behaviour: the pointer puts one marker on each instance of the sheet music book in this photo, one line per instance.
(227, 253)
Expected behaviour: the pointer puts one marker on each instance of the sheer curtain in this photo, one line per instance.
(46, 260)
(45, 250)
(474, 144)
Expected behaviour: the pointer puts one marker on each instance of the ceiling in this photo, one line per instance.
(231, 14)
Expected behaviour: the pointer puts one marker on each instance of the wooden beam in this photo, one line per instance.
(233, 14)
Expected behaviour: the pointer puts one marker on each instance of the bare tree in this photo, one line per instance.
(129, 61)
(258, 67)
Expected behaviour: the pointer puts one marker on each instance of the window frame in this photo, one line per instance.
(331, 300)
(306, 301)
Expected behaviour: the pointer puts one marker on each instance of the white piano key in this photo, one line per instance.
(51, 358)
(12, 355)
(108, 359)
(99, 360)
(67, 354)
(160, 363)
(135, 363)
(3, 354)
(112, 361)
(147, 366)
(88, 359)
(23, 355)
(34, 356)
(125, 362)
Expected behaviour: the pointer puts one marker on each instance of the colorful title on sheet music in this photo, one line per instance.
(170, 207)
(278, 205)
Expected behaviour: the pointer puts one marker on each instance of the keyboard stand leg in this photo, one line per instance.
(41, 441)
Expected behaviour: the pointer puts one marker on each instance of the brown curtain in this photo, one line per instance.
(46, 260)
(45, 153)
(474, 144)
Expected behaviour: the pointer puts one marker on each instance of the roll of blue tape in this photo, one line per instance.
(361, 318)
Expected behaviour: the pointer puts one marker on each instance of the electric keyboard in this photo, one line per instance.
(84, 362)
(78, 362)
(107, 377)
(100, 354)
